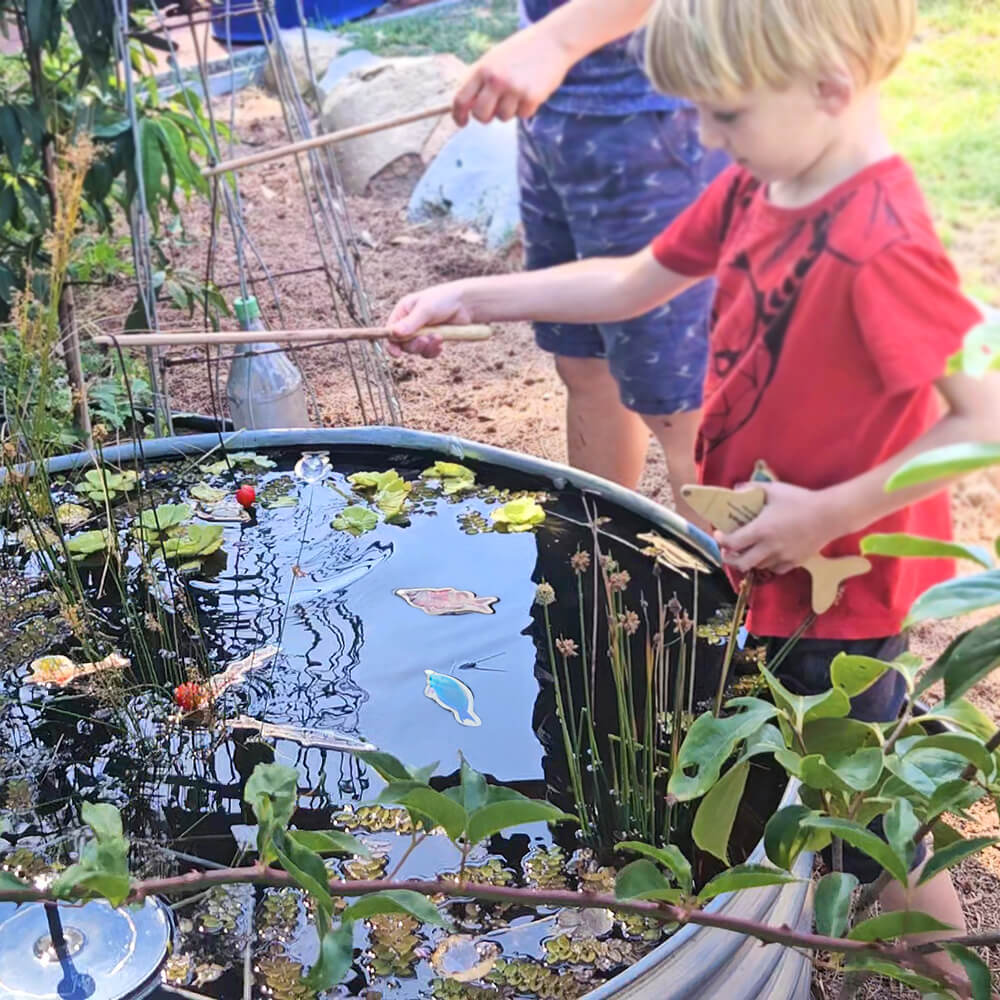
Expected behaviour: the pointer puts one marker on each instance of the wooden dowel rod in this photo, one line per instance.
(326, 139)
(178, 338)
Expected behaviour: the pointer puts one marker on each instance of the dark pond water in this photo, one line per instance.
(352, 660)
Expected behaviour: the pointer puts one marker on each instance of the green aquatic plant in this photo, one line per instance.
(355, 520)
(518, 515)
(100, 485)
(454, 478)
(89, 543)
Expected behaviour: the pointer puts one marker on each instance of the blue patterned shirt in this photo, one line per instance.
(610, 81)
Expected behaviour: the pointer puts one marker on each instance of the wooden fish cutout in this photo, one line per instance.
(61, 670)
(453, 696)
(447, 601)
(320, 739)
(238, 669)
(728, 510)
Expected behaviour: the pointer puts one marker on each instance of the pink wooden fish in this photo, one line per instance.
(447, 601)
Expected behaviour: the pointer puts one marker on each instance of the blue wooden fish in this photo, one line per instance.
(453, 696)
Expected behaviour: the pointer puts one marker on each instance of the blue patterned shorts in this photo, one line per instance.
(607, 186)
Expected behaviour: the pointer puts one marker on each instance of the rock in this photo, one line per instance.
(474, 180)
(386, 89)
(324, 47)
(339, 68)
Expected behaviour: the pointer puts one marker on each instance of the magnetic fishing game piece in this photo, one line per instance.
(728, 510)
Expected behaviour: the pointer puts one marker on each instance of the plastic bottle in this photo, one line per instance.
(264, 390)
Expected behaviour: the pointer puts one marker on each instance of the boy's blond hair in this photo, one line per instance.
(720, 49)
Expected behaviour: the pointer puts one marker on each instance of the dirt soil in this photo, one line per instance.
(503, 392)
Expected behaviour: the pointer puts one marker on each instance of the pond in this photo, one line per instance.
(465, 614)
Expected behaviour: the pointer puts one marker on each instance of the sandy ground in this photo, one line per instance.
(503, 392)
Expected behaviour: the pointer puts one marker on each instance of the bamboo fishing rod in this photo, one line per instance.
(333, 335)
(326, 139)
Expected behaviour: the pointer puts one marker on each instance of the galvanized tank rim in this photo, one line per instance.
(462, 449)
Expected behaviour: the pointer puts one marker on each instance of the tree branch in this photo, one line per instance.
(911, 958)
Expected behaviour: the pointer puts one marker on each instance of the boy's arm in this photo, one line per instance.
(599, 290)
(515, 77)
(796, 523)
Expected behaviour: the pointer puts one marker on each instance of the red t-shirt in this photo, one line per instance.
(830, 326)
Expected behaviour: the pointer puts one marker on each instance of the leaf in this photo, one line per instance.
(786, 837)
(950, 856)
(165, 516)
(88, 542)
(396, 901)
(710, 742)
(473, 788)
(355, 520)
(10, 883)
(826, 736)
(329, 842)
(272, 792)
(978, 972)
(152, 164)
(385, 765)
(944, 463)
(713, 822)
(191, 540)
(832, 704)
(952, 796)
(491, 819)
(980, 351)
(965, 715)
(38, 15)
(956, 597)
(916, 547)
(670, 857)
(854, 674)
(336, 951)
(306, 867)
(11, 137)
(454, 478)
(864, 840)
(880, 967)
(901, 825)
(518, 515)
(745, 877)
(105, 820)
(968, 659)
(428, 803)
(832, 903)
(898, 923)
(643, 880)
(206, 493)
(964, 744)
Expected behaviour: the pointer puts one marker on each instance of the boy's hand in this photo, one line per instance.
(432, 307)
(514, 78)
(794, 525)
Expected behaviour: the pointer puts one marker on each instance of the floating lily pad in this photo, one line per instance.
(518, 515)
(590, 923)
(70, 515)
(206, 493)
(389, 490)
(454, 478)
(100, 484)
(228, 510)
(89, 543)
(280, 492)
(160, 519)
(190, 541)
(355, 520)
(243, 458)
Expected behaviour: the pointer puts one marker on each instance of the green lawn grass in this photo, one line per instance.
(943, 110)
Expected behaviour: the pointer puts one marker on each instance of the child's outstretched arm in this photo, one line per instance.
(599, 290)
(515, 77)
(796, 523)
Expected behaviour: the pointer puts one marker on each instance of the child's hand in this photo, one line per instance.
(429, 308)
(793, 526)
(514, 78)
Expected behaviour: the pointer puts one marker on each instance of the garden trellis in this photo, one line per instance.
(232, 230)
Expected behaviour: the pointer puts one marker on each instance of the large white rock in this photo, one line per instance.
(383, 90)
(473, 180)
(323, 46)
(349, 62)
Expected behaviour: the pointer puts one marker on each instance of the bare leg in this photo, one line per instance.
(936, 897)
(602, 436)
(676, 435)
